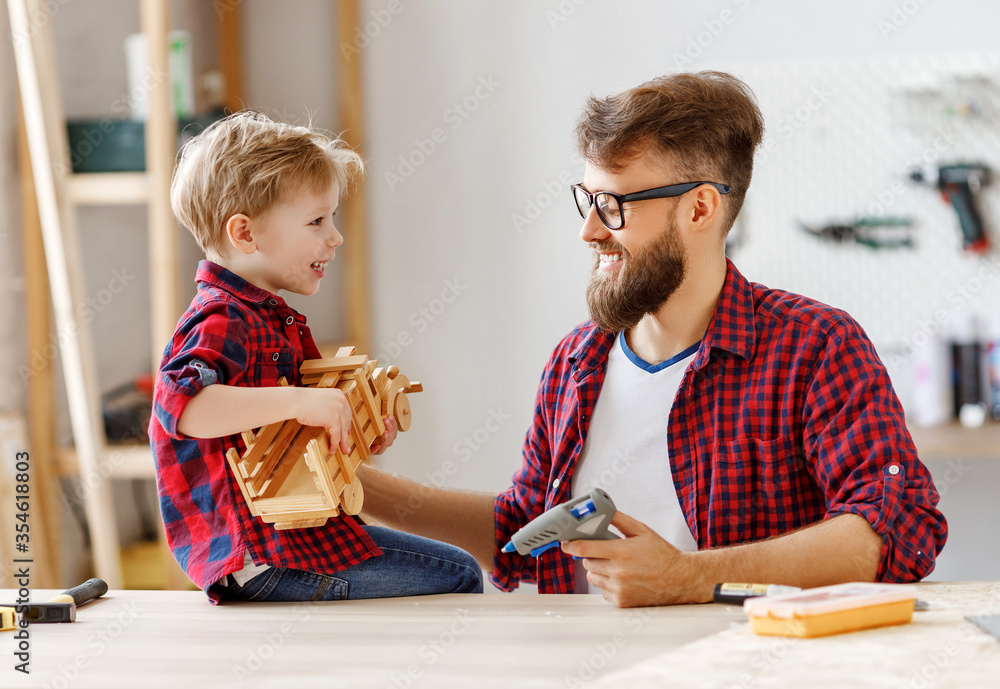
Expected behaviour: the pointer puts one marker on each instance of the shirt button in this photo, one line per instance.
(555, 483)
(893, 469)
(272, 302)
(274, 357)
(290, 320)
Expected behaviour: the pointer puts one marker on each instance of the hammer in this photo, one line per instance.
(62, 608)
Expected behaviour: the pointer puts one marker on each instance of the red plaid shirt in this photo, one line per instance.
(786, 416)
(234, 333)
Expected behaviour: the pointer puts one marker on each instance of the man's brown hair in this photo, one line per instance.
(706, 123)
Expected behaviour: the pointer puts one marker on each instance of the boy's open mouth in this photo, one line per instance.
(320, 267)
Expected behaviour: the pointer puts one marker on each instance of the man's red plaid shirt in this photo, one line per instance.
(786, 416)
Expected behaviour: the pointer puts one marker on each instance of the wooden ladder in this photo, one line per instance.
(58, 191)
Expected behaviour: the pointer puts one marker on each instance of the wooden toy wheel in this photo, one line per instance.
(353, 497)
(401, 410)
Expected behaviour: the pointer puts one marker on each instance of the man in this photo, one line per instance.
(750, 434)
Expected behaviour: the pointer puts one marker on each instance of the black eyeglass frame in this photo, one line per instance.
(668, 191)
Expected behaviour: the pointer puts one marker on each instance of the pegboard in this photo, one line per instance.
(841, 138)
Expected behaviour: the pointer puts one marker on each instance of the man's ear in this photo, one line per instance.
(240, 233)
(705, 206)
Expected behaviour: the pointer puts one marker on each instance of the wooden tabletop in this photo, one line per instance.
(177, 639)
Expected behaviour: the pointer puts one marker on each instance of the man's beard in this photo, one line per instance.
(643, 283)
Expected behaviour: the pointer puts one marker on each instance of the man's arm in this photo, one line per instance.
(643, 569)
(463, 519)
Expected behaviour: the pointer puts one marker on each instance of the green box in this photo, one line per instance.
(111, 144)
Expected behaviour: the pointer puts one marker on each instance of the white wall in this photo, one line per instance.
(449, 216)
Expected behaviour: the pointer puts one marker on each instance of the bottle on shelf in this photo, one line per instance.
(932, 394)
(969, 406)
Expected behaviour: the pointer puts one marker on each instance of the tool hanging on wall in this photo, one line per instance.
(959, 185)
(877, 233)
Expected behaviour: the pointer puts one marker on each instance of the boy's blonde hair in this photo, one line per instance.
(247, 163)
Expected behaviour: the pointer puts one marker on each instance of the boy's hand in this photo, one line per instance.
(329, 408)
(384, 441)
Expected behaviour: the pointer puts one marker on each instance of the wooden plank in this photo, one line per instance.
(47, 141)
(373, 408)
(162, 231)
(347, 470)
(261, 465)
(233, 458)
(326, 380)
(46, 515)
(295, 453)
(301, 523)
(125, 461)
(109, 188)
(161, 149)
(318, 465)
(357, 284)
(341, 363)
(13, 440)
(229, 37)
(381, 381)
(290, 504)
(255, 451)
(552, 638)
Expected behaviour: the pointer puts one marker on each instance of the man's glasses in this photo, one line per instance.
(609, 204)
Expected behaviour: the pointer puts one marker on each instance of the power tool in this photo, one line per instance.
(959, 184)
(586, 518)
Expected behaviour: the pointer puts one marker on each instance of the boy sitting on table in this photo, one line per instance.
(260, 198)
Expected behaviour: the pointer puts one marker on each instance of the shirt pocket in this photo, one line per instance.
(759, 488)
(273, 364)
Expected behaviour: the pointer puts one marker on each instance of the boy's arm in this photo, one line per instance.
(219, 410)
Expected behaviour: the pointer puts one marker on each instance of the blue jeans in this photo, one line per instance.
(409, 566)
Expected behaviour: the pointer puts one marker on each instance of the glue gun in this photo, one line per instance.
(586, 517)
(959, 184)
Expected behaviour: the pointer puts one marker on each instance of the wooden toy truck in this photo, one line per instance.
(289, 475)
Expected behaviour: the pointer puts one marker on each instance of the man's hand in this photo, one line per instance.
(326, 407)
(641, 569)
(384, 441)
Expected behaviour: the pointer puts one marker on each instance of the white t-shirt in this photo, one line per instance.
(626, 453)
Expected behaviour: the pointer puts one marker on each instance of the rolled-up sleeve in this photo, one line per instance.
(529, 494)
(209, 346)
(528, 488)
(863, 457)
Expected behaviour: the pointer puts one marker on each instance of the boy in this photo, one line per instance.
(260, 198)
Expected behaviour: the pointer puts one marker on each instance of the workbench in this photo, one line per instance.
(177, 639)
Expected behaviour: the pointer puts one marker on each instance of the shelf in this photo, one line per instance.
(109, 188)
(950, 441)
(119, 461)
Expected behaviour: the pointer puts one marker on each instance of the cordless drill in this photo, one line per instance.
(959, 185)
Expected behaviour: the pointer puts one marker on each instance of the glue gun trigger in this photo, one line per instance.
(548, 546)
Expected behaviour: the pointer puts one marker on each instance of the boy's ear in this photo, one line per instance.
(239, 231)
